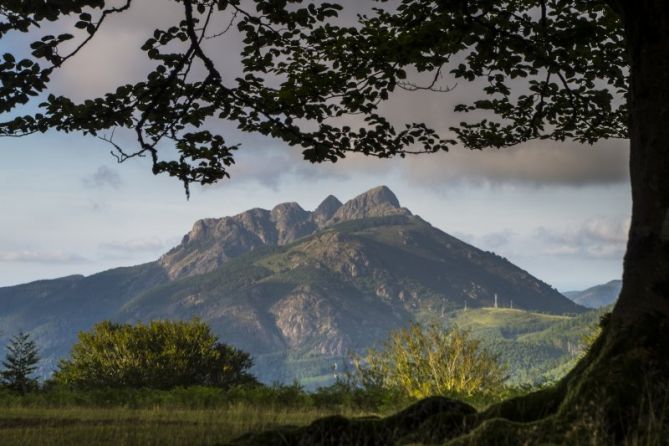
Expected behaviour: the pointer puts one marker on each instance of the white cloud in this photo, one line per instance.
(594, 238)
(270, 166)
(102, 178)
(496, 240)
(535, 164)
(28, 256)
(139, 245)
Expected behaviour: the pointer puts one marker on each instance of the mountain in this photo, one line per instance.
(597, 296)
(54, 311)
(297, 289)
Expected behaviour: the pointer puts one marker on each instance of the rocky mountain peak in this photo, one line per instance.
(377, 202)
(201, 229)
(291, 222)
(377, 196)
(326, 210)
(289, 213)
(214, 241)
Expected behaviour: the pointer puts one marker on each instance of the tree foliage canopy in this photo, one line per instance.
(546, 69)
(161, 354)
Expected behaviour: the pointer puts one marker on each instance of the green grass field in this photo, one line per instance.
(157, 426)
(505, 318)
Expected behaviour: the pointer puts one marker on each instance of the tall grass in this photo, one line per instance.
(157, 426)
(181, 416)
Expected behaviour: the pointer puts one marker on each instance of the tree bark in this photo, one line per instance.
(646, 268)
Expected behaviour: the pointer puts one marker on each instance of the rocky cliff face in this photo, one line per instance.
(305, 315)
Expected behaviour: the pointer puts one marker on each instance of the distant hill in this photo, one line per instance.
(536, 347)
(597, 296)
(299, 290)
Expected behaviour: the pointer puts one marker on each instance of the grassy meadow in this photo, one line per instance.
(186, 416)
(180, 416)
(150, 426)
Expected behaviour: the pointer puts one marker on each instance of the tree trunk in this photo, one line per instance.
(646, 271)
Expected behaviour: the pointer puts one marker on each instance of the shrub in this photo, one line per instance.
(424, 361)
(160, 355)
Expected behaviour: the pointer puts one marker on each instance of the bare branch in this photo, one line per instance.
(104, 15)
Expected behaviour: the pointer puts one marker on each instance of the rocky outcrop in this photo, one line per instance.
(326, 210)
(377, 202)
(291, 223)
(307, 319)
(213, 241)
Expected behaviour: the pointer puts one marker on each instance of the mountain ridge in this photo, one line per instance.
(597, 296)
(229, 237)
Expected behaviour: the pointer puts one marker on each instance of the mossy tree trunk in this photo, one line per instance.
(646, 273)
(623, 381)
(629, 364)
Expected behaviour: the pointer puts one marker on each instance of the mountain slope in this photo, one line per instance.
(297, 289)
(597, 296)
(54, 311)
(344, 288)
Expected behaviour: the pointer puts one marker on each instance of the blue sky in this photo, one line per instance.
(559, 211)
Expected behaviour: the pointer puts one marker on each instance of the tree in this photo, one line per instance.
(20, 364)
(161, 354)
(425, 361)
(587, 70)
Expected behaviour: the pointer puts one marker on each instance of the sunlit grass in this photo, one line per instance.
(157, 426)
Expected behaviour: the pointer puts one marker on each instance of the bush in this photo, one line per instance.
(159, 355)
(422, 362)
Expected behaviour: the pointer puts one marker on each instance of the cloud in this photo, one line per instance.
(594, 238)
(133, 246)
(496, 240)
(28, 256)
(538, 164)
(533, 164)
(114, 57)
(491, 241)
(270, 166)
(102, 178)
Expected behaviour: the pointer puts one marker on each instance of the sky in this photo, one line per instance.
(558, 210)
